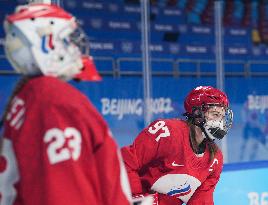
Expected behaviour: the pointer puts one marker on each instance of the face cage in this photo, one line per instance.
(80, 39)
(228, 118)
(198, 118)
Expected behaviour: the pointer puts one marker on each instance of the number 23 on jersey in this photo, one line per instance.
(63, 144)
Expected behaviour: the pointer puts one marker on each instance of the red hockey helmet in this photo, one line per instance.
(205, 95)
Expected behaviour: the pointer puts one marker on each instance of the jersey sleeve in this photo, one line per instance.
(152, 144)
(204, 194)
(68, 148)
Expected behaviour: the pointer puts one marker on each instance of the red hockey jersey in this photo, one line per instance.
(57, 150)
(161, 160)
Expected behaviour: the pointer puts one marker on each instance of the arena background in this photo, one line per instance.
(187, 48)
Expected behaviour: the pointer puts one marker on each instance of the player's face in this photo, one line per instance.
(215, 113)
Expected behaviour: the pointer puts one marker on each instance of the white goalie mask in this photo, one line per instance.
(42, 39)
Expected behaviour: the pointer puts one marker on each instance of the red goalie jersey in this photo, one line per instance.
(57, 150)
(161, 160)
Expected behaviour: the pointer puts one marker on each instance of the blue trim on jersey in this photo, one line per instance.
(176, 191)
(245, 165)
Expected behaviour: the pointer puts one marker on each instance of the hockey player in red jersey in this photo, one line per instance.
(177, 160)
(56, 148)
